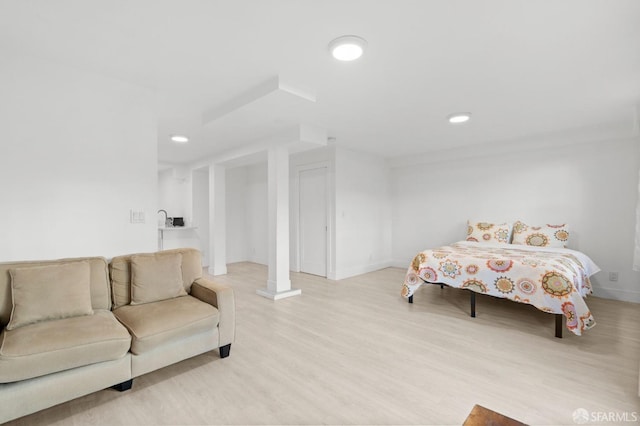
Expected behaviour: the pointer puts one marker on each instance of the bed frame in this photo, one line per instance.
(472, 300)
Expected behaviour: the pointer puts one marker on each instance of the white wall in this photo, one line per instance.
(590, 186)
(78, 152)
(320, 157)
(174, 187)
(363, 213)
(236, 215)
(247, 197)
(255, 212)
(360, 237)
(184, 193)
(200, 211)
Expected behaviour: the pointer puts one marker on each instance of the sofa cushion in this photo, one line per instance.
(47, 347)
(156, 277)
(120, 273)
(49, 292)
(99, 283)
(154, 324)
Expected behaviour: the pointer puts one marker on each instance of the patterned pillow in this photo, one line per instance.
(488, 232)
(540, 236)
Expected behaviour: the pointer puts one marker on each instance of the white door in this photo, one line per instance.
(313, 221)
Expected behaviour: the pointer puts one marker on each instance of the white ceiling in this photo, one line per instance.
(521, 67)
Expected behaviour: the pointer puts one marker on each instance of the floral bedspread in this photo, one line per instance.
(554, 280)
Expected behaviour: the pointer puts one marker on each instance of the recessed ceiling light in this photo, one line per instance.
(459, 117)
(347, 48)
(179, 138)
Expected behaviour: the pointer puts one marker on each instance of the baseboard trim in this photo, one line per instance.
(616, 294)
(217, 271)
(401, 263)
(358, 270)
(278, 295)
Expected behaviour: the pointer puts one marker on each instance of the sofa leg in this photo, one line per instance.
(124, 386)
(224, 350)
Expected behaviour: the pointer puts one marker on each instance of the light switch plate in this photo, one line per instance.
(136, 216)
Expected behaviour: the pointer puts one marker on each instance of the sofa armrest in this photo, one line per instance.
(221, 297)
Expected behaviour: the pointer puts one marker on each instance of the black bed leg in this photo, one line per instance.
(441, 285)
(559, 325)
(124, 386)
(473, 304)
(410, 299)
(225, 350)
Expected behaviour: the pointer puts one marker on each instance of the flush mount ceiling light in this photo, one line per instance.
(179, 138)
(347, 48)
(459, 117)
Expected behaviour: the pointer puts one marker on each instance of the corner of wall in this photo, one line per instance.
(352, 271)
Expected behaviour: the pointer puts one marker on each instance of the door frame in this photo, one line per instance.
(296, 261)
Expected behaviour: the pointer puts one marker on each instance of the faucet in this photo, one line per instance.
(167, 221)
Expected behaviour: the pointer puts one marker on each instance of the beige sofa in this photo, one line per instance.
(71, 327)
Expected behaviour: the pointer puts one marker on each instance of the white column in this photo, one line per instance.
(217, 220)
(278, 284)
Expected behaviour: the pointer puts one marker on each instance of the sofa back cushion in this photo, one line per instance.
(120, 273)
(50, 292)
(98, 282)
(155, 277)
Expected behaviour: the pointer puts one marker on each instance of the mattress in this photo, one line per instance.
(554, 280)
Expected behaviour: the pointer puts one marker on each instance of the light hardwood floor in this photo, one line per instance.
(355, 352)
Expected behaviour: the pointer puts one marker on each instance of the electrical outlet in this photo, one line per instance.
(613, 276)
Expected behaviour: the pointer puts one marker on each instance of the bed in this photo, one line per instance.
(553, 279)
